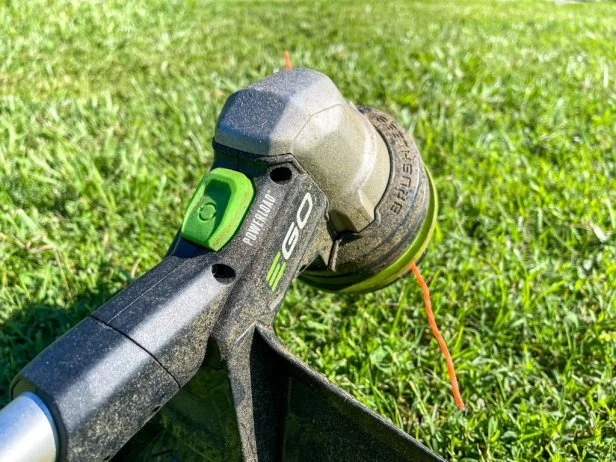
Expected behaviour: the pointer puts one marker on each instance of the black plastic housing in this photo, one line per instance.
(192, 340)
(100, 387)
(107, 376)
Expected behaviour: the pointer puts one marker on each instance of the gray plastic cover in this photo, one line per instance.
(301, 112)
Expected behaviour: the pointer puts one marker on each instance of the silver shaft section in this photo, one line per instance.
(27, 431)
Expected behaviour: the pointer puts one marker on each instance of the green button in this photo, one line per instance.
(216, 210)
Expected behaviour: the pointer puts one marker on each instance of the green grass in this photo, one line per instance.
(106, 115)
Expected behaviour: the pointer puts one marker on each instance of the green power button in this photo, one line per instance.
(216, 210)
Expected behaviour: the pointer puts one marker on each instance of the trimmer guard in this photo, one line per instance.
(286, 410)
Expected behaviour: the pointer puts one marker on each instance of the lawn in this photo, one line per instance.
(107, 110)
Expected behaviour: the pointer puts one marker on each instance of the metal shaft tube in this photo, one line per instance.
(27, 431)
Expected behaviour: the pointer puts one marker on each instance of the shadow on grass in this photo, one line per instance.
(29, 330)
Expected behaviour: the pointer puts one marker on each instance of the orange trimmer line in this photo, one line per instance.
(441, 341)
(287, 60)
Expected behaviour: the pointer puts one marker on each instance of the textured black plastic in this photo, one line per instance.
(298, 415)
(250, 399)
(170, 312)
(120, 365)
(250, 392)
(100, 387)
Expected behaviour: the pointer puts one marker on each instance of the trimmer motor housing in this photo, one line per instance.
(381, 203)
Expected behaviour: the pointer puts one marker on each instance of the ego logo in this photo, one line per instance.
(289, 243)
(290, 240)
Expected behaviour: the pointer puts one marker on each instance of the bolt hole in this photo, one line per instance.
(223, 273)
(281, 175)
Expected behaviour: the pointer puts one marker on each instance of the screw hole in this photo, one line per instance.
(281, 175)
(223, 273)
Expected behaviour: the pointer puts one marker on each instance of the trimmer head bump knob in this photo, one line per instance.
(404, 222)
